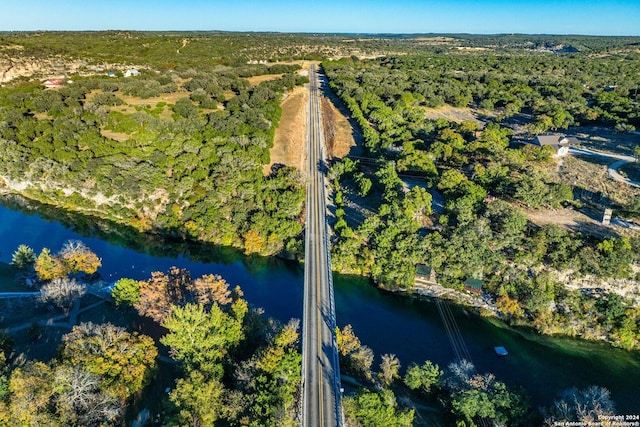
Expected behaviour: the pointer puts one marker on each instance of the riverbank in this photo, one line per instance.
(482, 301)
(158, 245)
(484, 304)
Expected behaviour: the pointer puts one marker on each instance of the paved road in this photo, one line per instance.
(320, 370)
(612, 169)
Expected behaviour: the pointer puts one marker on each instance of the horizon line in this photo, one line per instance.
(383, 33)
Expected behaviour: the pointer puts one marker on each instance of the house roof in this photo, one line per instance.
(423, 270)
(474, 283)
(553, 139)
(132, 72)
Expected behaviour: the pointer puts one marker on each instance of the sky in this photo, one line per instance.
(609, 17)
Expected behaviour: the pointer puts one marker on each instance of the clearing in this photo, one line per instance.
(589, 174)
(290, 137)
(454, 114)
(341, 134)
(256, 80)
(586, 221)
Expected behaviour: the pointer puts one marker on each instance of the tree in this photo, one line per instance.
(271, 378)
(50, 267)
(633, 205)
(126, 292)
(79, 399)
(389, 369)
(417, 203)
(61, 292)
(23, 257)
(212, 288)
(476, 397)
(4, 378)
(509, 306)
(375, 409)
(355, 357)
(423, 377)
(451, 180)
(389, 180)
(30, 394)
(162, 292)
(364, 184)
(581, 405)
(201, 339)
(254, 242)
(6, 343)
(199, 400)
(79, 258)
(125, 361)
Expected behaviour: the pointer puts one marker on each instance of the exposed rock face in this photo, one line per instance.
(13, 66)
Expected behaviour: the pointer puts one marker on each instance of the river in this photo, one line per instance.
(388, 323)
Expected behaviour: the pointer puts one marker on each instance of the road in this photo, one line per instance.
(320, 371)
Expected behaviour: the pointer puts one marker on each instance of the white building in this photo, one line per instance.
(132, 72)
(560, 143)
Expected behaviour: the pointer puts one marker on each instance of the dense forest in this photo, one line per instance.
(485, 179)
(192, 168)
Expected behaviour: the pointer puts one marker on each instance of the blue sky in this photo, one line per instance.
(619, 17)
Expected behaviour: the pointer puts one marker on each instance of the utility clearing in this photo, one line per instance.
(290, 136)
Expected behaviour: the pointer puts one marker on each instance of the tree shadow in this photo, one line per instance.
(593, 201)
(163, 243)
(597, 230)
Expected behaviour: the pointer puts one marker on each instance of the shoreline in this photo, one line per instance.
(484, 306)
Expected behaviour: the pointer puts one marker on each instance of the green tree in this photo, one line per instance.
(476, 397)
(30, 395)
(423, 377)
(199, 400)
(375, 409)
(126, 292)
(4, 377)
(202, 339)
(271, 379)
(23, 257)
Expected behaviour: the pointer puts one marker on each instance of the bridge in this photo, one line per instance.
(321, 403)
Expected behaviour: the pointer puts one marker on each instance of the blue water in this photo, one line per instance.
(388, 323)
